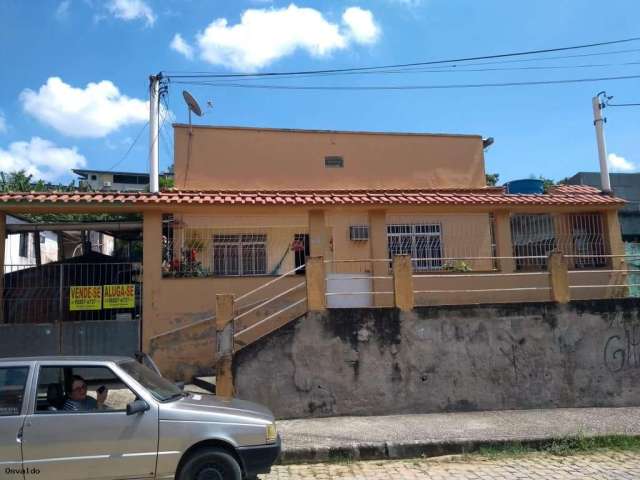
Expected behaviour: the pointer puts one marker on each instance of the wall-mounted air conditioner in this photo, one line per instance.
(359, 233)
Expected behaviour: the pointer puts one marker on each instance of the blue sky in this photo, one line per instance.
(75, 75)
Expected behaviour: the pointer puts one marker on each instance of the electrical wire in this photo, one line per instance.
(409, 87)
(623, 104)
(130, 147)
(401, 65)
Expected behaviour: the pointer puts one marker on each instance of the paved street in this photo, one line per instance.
(618, 466)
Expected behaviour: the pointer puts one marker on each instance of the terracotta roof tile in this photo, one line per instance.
(559, 195)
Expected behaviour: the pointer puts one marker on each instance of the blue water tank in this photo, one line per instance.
(528, 186)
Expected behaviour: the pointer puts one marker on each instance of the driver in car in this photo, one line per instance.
(78, 399)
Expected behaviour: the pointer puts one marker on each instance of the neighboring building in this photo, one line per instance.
(101, 180)
(20, 250)
(624, 185)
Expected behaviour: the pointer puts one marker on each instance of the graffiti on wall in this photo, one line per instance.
(622, 349)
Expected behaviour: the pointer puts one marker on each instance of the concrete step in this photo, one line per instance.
(206, 383)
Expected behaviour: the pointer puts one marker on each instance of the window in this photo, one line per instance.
(94, 177)
(76, 389)
(161, 388)
(532, 236)
(23, 246)
(240, 254)
(422, 242)
(12, 383)
(588, 240)
(134, 179)
(333, 162)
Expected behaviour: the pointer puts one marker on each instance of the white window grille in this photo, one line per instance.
(240, 254)
(532, 236)
(422, 241)
(579, 235)
(588, 240)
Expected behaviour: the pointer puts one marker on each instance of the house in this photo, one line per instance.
(20, 250)
(623, 185)
(286, 220)
(106, 180)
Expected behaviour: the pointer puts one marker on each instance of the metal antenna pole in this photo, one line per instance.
(598, 122)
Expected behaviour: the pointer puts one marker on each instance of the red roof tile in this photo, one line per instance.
(560, 195)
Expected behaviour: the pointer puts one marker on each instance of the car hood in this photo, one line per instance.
(204, 407)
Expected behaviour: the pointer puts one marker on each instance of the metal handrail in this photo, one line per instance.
(605, 286)
(455, 275)
(269, 317)
(483, 290)
(604, 271)
(364, 277)
(269, 300)
(245, 295)
(331, 294)
(183, 327)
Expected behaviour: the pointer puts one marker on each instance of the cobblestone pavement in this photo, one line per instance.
(605, 465)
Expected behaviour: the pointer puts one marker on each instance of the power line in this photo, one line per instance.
(403, 65)
(623, 104)
(130, 147)
(410, 87)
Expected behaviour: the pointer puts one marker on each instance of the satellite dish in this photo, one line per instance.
(192, 103)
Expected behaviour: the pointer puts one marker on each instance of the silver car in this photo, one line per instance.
(80, 418)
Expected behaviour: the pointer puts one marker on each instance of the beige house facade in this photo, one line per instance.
(251, 205)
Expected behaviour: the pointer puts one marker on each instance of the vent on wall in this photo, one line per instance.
(359, 233)
(333, 162)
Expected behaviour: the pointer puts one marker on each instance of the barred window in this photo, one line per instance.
(532, 236)
(240, 254)
(423, 242)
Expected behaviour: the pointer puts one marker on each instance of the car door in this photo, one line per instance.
(13, 406)
(88, 444)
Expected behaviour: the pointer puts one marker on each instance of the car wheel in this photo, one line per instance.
(211, 464)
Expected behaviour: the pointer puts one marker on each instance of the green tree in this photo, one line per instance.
(492, 179)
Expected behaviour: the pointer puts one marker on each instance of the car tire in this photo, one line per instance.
(211, 464)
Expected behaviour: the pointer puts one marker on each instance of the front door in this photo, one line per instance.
(72, 436)
(13, 381)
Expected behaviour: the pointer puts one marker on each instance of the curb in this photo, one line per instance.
(400, 450)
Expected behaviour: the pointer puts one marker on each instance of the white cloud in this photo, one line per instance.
(620, 164)
(361, 24)
(180, 45)
(40, 158)
(3, 123)
(265, 35)
(62, 11)
(94, 111)
(131, 10)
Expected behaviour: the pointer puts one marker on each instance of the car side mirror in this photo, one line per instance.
(137, 406)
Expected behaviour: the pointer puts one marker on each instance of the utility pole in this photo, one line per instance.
(599, 122)
(154, 109)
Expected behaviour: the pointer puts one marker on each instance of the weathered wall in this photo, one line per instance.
(366, 361)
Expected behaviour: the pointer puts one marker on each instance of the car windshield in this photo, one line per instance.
(161, 388)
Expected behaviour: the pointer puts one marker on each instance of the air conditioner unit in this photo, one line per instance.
(106, 184)
(359, 233)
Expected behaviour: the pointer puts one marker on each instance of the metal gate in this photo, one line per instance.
(73, 307)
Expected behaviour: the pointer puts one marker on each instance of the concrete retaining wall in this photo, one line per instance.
(455, 358)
